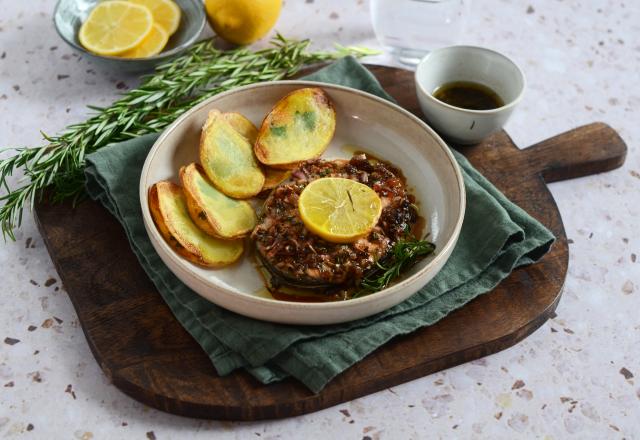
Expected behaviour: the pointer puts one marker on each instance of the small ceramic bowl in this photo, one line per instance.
(372, 124)
(69, 15)
(468, 63)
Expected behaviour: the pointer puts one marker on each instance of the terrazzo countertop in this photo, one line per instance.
(578, 376)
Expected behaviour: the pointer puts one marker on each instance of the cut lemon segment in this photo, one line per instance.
(339, 210)
(114, 27)
(165, 12)
(151, 45)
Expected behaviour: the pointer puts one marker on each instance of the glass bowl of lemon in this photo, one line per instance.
(130, 35)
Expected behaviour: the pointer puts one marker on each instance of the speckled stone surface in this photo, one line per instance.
(578, 376)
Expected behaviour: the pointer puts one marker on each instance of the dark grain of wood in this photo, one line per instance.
(148, 355)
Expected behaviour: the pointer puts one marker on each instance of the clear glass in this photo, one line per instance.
(412, 28)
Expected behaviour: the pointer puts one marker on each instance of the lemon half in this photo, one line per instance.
(339, 210)
(115, 27)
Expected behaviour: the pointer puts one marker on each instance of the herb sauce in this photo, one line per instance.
(469, 95)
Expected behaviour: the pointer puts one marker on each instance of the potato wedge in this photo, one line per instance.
(169, 211)
(274, 177)
(242, 125)
(299, 127)
(227, 159)
(212, 211)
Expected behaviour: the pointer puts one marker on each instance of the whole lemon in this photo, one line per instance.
(242, 21)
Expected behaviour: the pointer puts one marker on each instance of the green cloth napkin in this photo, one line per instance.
(497, 236)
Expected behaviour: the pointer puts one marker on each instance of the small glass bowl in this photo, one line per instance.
(69, 15)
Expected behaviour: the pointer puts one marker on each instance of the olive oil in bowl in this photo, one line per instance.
(452, 109)
(468, 95)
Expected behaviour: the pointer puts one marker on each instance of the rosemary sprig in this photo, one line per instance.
(175, 87)
(405, 253)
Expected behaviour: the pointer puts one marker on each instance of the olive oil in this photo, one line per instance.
(469, 95)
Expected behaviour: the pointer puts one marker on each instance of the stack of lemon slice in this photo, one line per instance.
(130, 28)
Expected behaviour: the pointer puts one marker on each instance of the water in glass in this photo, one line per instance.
(411, 28)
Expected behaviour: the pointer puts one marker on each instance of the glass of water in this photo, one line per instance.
(412, 28)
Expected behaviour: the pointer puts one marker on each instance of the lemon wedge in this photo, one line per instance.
(151, 45)
(114, 27)
(339, 210)
(166, 13)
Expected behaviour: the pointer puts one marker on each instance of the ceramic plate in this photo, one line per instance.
(364, 122)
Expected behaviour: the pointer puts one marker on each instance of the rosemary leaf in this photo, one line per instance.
(405, 253)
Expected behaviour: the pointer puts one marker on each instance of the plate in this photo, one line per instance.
(363, 122)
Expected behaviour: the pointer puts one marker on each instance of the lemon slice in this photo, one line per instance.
(339, 210)
(151, 45)
(114, 27)
(165, 12)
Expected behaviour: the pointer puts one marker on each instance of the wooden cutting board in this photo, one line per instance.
(145, 352)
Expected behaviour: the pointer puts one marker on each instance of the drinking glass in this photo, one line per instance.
(412, 28)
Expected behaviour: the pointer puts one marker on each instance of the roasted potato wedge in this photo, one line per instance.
(274, 177)
(212, 211)
(227, 159)
(299, 127)
(242, 125)
(169, 211)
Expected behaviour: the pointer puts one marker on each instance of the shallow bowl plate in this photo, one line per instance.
(364, 122)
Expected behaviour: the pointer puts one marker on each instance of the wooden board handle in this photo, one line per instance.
(586, 150)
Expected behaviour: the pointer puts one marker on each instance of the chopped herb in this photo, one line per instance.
(308, 119)
(351, 200)
(279, 131)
